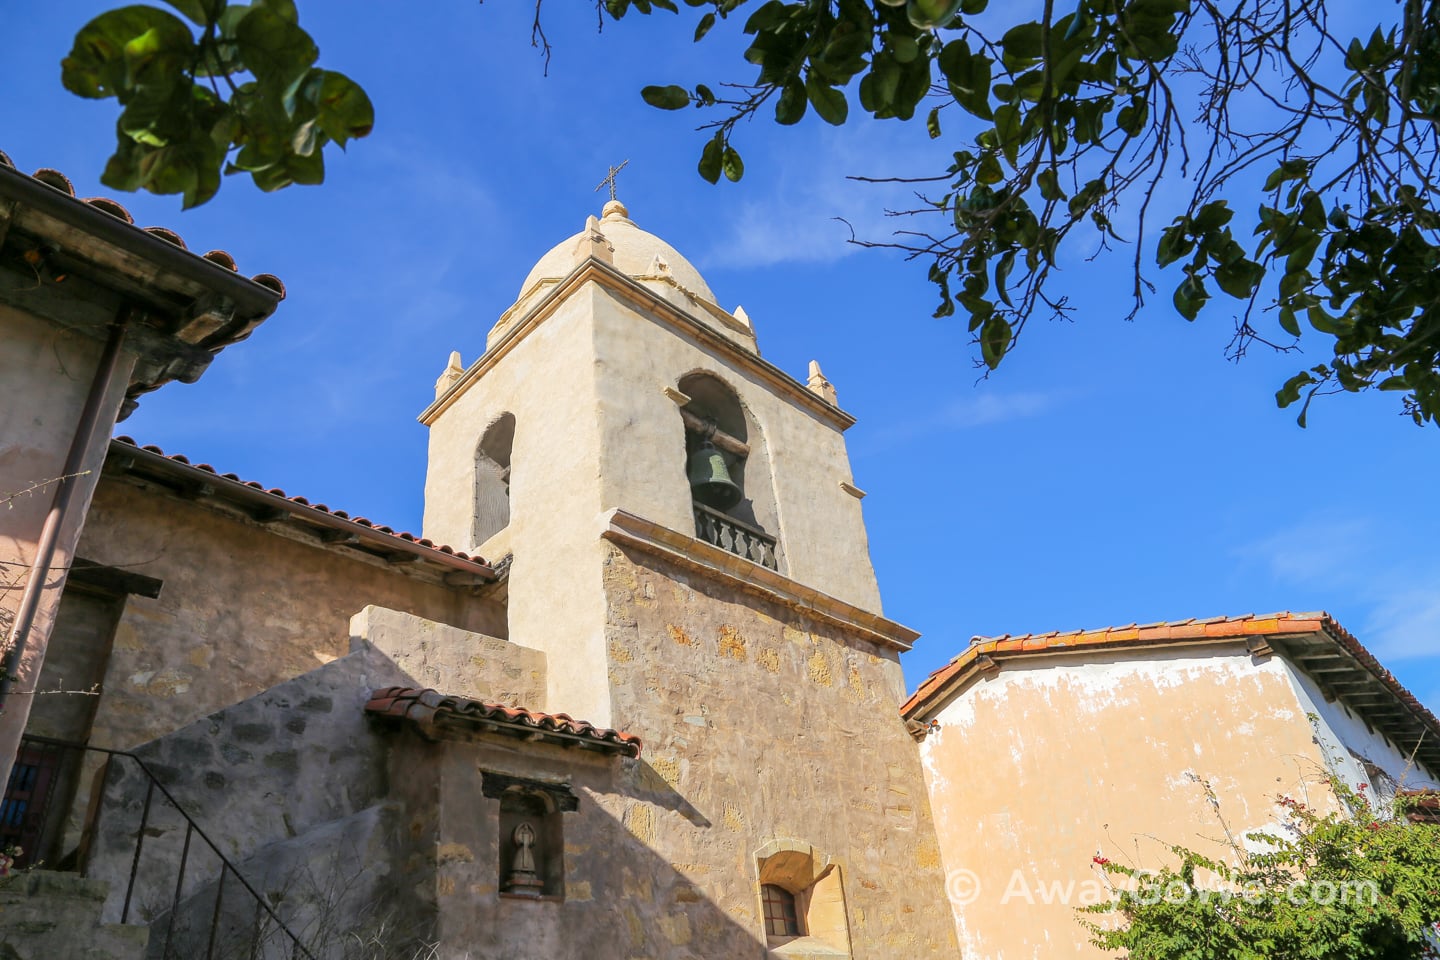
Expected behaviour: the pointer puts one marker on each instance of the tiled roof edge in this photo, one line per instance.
(298, 504)
(426, 707)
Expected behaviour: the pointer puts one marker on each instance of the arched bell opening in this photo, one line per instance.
(492, 478)
(728, 471)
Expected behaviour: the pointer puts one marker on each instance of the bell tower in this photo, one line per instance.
(616, 382)
(689, 553)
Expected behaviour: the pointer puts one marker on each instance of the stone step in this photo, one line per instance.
(46, 915)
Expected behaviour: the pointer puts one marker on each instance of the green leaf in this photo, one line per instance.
(932, 123)
(1213, 216)
(1132, 117)
(703, 27)
(790, 105)
(988, 170)
(828, 102)
(995, 338)
(712, 158)
(905, 48)
(731, 163)
(342, 109)
(1002, 274)
(968, 77)
(1288, 323)
(273, 46)
(1190, 296)
(1288, 170)
(669, 97)
(1174, 244)
(1239, 278)
(1049, 183)
(199, 12)
(124, 48)
(1023, 42)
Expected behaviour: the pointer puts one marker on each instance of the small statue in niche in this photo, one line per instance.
(523, 878)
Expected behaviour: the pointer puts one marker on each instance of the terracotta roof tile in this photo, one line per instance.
(276, 492)
(428, 710)
(58, 180)
(1317, 623)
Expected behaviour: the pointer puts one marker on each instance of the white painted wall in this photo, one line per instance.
(1346, 741)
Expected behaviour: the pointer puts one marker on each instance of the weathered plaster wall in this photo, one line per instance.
(622, 900)
(1348, 743)
(242, 608)
(767, 726)
(1044, 765)
(47, 373)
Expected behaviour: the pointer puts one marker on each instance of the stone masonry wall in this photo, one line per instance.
(242, 609)
(763, 725)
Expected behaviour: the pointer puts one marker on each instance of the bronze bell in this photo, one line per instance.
(710, 481)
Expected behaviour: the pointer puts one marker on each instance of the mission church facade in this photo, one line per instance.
(664, 719)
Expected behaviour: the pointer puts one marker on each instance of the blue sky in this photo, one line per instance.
(1109, 472)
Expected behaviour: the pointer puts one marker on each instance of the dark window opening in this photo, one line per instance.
(781, 917)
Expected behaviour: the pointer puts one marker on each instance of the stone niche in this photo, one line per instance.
(531, 841)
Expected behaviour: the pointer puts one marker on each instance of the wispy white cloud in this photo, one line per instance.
(798, 216)
(1318, 548)
(987, 407)
(984, 408)
(1354, 557)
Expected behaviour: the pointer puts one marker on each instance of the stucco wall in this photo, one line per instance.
(555, 602)
(1044, 765)
(241, 609)
(1348, 744)
(46, 374)
(768, 726)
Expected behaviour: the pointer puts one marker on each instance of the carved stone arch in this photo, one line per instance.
(492, 478)
(713, 399)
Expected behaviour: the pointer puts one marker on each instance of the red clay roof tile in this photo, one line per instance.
(408, 538)
(427, 708)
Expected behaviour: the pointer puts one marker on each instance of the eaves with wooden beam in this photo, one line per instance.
(82, 263)
(332, 529)
(1315, 643)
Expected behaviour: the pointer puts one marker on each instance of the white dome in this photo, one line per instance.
(635, 253)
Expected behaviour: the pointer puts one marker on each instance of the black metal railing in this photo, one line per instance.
(736, 536)
(36, 809)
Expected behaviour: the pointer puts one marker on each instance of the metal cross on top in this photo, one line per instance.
(611, 179)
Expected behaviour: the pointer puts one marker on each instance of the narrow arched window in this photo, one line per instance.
(492, 479)
(782, 919)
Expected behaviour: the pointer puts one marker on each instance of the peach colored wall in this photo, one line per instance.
(1040, 767)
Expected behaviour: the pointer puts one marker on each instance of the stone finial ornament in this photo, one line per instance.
(454, 370)
(592, 243)
(743, 317)
(660, 267)
(818, 385)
